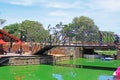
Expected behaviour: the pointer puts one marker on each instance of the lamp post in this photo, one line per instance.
(21, 39)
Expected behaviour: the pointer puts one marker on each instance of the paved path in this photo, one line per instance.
(13, 54)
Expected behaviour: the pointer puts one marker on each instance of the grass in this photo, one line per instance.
(107, 52)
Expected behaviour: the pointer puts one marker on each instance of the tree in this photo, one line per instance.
(2, 21)
(34, 30)
(57, 32)
(108, 36)
(81, 28)
(28, 30)
(12, 29)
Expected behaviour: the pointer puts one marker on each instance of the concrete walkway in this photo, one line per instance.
(13, 54)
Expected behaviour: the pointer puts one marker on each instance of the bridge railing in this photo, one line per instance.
(93, 39)
(79, 44)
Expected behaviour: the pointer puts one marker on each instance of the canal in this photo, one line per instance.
(62, 72)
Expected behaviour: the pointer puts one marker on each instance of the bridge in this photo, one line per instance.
(88, 42)
(96, 41)
(48, 46)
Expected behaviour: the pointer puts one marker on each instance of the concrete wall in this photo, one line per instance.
(33, 60)
(76, 52)
(61, 58)
(30, 60)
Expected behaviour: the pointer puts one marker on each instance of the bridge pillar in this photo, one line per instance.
(88, 52)
(78, 52)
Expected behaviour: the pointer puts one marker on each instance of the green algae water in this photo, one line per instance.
(93, 62)
(50, 72)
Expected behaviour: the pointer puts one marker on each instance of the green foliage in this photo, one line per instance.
(82, 27)
(108, 36)
(12, 29)
(106, 52)
(57, 32)
(34, 30)
(28, 30)
(84, 24)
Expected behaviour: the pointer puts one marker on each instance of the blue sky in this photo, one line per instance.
(105, 13)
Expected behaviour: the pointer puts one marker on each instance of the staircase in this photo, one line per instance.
(43, 50)
(4, 60)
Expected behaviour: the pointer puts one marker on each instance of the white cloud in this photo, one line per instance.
(22, 2)
(104, 12)
(63, 5)
(106, 5)
(50, 4)
(111, 5)
(59, 13)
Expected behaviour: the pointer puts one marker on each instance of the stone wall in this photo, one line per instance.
(32, 60)
(76, 52)
(35, 60)
(61, 58)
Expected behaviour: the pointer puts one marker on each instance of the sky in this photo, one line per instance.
(105, 13)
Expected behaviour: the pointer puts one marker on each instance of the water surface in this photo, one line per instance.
(50, 72)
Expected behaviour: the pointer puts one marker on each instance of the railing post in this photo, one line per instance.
(100, 38)
(76, 40)
(110, 39)
(45, 41)
(107, 39)
(50, 40)
(82, 38)
(69, 41)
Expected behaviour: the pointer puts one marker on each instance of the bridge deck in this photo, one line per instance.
(16, 55)
(84, 45)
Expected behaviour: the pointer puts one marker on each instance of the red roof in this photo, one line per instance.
(8, 36)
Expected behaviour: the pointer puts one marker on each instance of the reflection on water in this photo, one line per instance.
(57, 76)
(104, 77)
(101, 77)
(47, 72)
